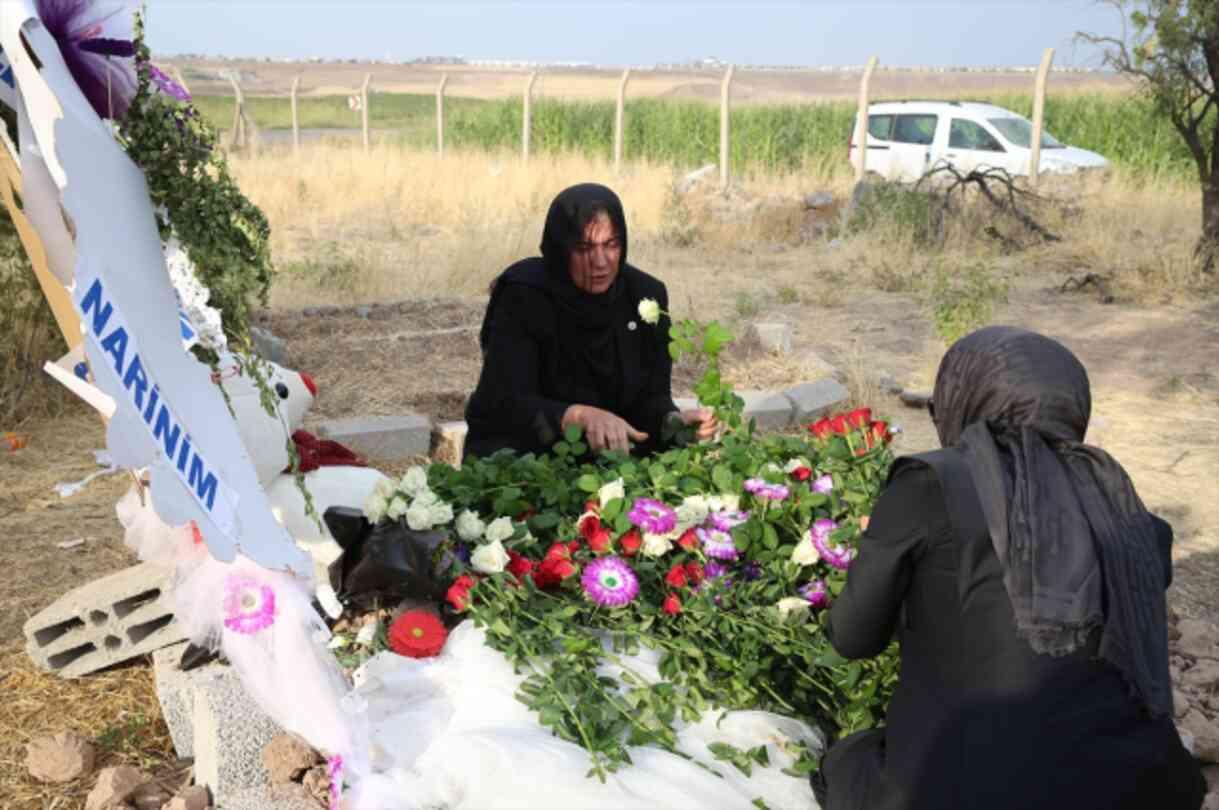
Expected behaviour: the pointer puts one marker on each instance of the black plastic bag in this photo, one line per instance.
(386, 563)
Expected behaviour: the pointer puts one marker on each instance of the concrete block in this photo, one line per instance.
(229, 733)
(771, 410)
(775, 337)
(268, 345)
(814, 400)
(106, 622)
(280, 797)
(176, 693)
(382, 438)
(915, 399)
(448, 441)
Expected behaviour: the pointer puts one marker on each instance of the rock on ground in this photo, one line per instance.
(114, 786)
(287, 757)
(193, 798)
(61, 758)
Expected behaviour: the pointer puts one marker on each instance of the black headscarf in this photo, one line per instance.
(1078, 549)
(586, 322)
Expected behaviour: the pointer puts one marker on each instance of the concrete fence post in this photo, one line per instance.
(861, 124)
(619, 118)
(725, 145)
(527, 117)
(444, 79)
(1043, 75)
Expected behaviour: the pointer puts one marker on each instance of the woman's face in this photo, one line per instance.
(593, 263)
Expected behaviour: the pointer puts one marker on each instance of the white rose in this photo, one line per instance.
(490, 558)
(730, 503)
(655, 545)
(792, 604)
(649, 311)
(692, 511)
(337, 642)
(469, 526)
(397, 508)
(374, 507)
(499, 530)
(419, 517)
(425, 498)
(414, 481)
(612, 490)
(440, 513)
(795, 464)
(368, 633)
(805, 552)
(329, 601)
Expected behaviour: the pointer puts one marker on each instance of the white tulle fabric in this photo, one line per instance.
(285, 666)
(448, 732)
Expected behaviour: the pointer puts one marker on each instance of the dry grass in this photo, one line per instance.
(117, 710)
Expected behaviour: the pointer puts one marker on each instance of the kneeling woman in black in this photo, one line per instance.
(1025, 581)
(564, 342)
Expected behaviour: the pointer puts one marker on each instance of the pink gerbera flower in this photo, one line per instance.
(610, 582)
(249, 605)
(653, 516)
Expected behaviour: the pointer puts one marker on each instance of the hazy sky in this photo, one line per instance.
(970, 32)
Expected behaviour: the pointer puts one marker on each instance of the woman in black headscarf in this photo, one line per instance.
(564, 343)
(1025, 582)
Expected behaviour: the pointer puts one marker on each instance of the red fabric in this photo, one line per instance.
(314, 452)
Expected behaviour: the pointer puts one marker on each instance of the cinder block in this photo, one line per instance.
(106, 622)
(176, 693)
(382, 438)
(814, 400)
(228, 735)
(769, 409)
(775, 337)
(448, 442)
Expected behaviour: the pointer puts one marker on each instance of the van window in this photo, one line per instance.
(879, 127)
(964, 134)
(919, 129)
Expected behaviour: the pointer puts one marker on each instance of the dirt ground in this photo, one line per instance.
(203, 76)
(1154, 371)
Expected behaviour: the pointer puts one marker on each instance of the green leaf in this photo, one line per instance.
(572, 433)
(715, 338)
(770, 538)
(588, 483)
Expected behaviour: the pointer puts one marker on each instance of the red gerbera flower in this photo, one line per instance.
(417, 634)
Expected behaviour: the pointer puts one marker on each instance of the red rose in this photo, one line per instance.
(552, 571)
(518, 565)
(601, 541)
(802, 473)
(880, 431)
(672, 605)
(458, 594)
(821, 428)
(860, 417)
(523, 516)
(839, 424)
(694, 570)
(588, 526)
(631, 541)
(688, 540)
(417, 634)
(676, 578)
(861, 451)
(562, 551)
(592, 506)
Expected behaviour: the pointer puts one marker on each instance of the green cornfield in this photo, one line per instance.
(772, 139)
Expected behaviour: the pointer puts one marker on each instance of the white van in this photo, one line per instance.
(907, 139)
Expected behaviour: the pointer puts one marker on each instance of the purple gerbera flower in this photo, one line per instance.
(717, 544)
(817, 593)
(824, 484)
(770, 492)
(727, 521)
(610, 582)
(836, 555)
(249, 606)
(752, 571)
(714, 570)
(653, 516)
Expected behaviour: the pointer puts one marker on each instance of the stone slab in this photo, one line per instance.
(105, 622)
(268, 345)
(228, 735)
(775, 337)
(448, 442)
(270, 798)
(769, 409)
(382, 438)
(175, 692)
(814, 400)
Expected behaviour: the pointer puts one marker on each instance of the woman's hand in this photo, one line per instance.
(704, 420)
(603, 430)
